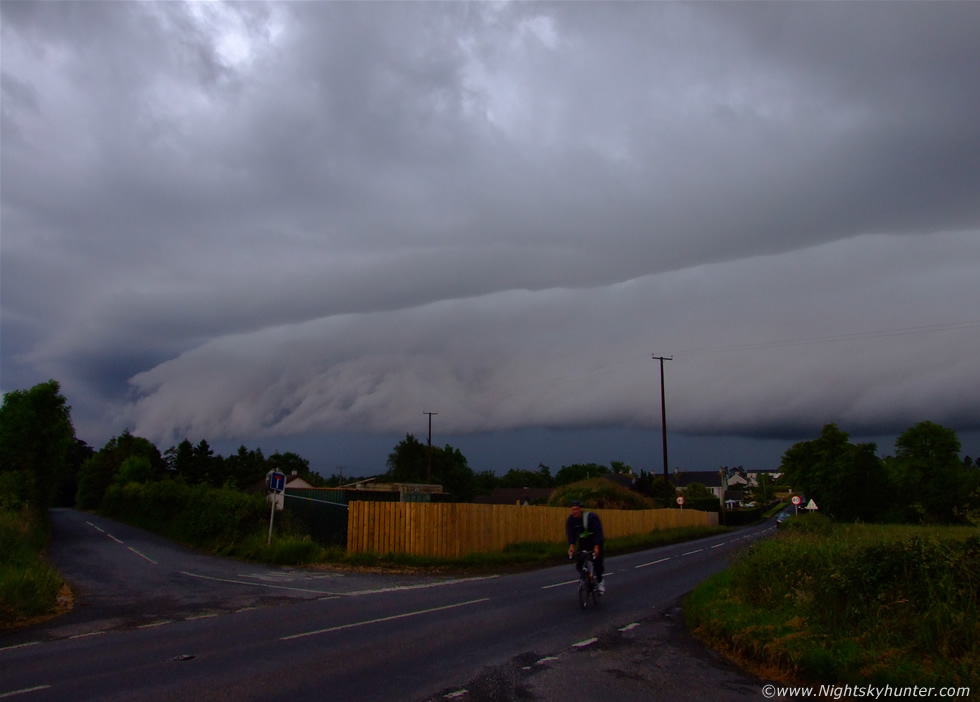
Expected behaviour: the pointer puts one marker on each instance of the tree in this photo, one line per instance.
(652, 485)
(203, 464)
(68, 484)
(100, 470)
(928, 472)
(697, 490)
(246, 467)
(290, 462)
(620, 468)
(408, 463)
(486, 481)
(846, 481)
(36, 437)
(765, 489)
(579, 471)
(515, 478)
(135, 469)
(180, 458)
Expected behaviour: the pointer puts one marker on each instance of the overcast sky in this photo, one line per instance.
(304, 224)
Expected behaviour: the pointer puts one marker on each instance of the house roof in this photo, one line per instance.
(708, 478)
(292, 481)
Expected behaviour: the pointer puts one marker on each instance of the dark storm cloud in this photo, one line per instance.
(296, 217)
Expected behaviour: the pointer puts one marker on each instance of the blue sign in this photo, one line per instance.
(277, 481)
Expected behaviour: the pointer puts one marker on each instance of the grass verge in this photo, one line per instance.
(515, 557)
(849, 604)
(29, 587)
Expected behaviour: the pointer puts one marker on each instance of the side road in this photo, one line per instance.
(123, 577)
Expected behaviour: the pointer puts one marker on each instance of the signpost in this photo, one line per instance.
(680, 501)
(277, 483)
(796, 503)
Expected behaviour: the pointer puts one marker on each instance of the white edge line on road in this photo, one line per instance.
(454, 695)
(23, 645)
(546, 659)
(587, 642)
(332, 595)
(154, 624)
(142, 555)
(630, 626)
(200, 616)
(114, 538)
(717, 545)
(424, 586)
(384, 619)
(82, 636)
(567, 582)
(36, 688)
(242, 582)
(94, 527)
(697, 550)
(644, 565)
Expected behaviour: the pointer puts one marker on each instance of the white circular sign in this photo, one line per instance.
(797, 499)
(680, 500)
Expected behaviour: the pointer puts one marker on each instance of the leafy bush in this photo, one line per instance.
(213, 518)
(704, 504)
(599, 493)
(852, 604)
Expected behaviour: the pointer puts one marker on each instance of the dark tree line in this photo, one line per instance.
(43, 463)
(925, 481)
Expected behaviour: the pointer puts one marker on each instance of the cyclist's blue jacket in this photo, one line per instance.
(588, 535)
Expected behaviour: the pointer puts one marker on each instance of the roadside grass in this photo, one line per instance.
(297, 549)
(514, 557)
(849, 604)
(774, 510)
(29, 587)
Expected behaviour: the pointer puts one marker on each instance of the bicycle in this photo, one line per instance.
(588, 586)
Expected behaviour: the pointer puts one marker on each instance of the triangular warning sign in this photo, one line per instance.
(811, 505)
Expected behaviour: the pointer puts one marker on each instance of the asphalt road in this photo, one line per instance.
(154, 621)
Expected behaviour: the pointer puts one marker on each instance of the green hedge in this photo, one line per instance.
(213, 518)
(851, 604)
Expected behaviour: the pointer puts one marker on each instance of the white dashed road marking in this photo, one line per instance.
(24, 691)
(383, 619)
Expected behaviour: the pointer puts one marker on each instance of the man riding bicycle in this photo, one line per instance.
(586, 529)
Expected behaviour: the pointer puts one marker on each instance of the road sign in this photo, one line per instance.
(680, 500)
(797, 500)
(277, 481)
(811, 505)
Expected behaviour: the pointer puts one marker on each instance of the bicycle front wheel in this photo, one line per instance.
(583, 592)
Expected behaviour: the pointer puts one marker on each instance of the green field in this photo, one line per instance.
(849, 604)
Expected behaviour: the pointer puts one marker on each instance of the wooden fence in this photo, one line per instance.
(457, 529)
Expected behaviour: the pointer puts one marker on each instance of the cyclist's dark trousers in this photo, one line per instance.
(598, 565)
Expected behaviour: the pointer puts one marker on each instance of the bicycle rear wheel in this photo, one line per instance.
(585, 584)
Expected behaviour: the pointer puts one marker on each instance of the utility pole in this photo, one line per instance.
(428, 455)
(663, 425)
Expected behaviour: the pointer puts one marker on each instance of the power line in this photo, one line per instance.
(951, 326)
